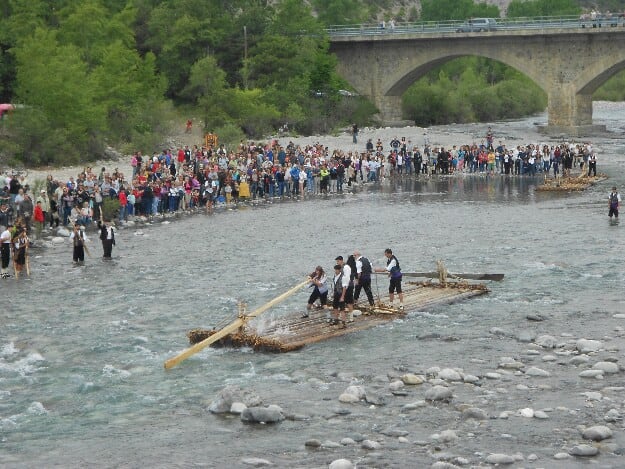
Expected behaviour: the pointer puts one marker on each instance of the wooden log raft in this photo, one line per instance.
(292, 332)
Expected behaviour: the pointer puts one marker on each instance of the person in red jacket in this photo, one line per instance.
(39, 219)
(123, 202)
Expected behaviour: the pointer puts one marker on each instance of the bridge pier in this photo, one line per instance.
(389, 108)
(570, 113)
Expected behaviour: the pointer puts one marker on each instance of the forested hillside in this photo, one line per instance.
(86, 74)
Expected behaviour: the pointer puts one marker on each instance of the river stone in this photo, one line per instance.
(256, 462)
(312, 443)
(547, 341)
(64, 232)
(492, 375)
(579, 360)
(500, 458)
(536, 317)
(261, 415)
(411, 379)
(341, 464)
(223, 402)
(540, 414)
(449, 374)
(470, 379)
(606, 367)
(591, 374)
(526, 336)
(509, 363)
(443, 465)
(370, 444)
(375, 399)
(584, 450)
(474, 413)
(538, 372)
(560, 456)
(447, 436)
(597, 433)
(348, 441)
(587, 345)
(358, 391)
(549, 358)
(438, 393)
(237, 407)
(329, 444)
(527, 412)
(592, 395)
(396, 385)
(613, 415)
(414, 405)
(394, 432)
(348, 398)
(58, 240)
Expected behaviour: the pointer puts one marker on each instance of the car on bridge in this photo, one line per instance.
(477, 25)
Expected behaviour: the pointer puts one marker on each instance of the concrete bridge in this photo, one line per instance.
(568, 64)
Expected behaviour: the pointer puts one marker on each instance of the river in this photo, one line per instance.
(82, 382)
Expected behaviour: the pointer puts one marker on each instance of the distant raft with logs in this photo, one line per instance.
(570, 184)
(292, 332)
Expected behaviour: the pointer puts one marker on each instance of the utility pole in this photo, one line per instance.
(245, 70)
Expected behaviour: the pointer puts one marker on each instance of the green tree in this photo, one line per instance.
(205, 79)
(532, 8)
(444, 10)
(334, 12)
(54, 79)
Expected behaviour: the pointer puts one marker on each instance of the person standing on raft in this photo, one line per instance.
(318, 280)
(394, 272)
(341, 284)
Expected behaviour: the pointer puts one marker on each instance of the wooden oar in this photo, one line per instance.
(494, 277)
(231, 328)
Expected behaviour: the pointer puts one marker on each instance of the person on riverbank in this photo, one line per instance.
(318, 280)
(363, 277)
(107, 236)
(5, 250)
(79, 238)
(395, 276)
(614, 203)
(39, 219)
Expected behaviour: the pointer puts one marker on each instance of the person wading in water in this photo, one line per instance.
(107, 236)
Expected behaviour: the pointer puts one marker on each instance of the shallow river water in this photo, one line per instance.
(82, 382)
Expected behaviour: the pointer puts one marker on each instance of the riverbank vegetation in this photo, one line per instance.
(89, 74)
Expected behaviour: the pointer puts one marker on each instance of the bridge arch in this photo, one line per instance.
(569, 65)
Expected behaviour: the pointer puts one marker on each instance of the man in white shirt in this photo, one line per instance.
(5, 250)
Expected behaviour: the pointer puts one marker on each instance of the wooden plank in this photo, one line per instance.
(451, 276)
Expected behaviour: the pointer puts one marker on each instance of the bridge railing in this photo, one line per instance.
(502, 24)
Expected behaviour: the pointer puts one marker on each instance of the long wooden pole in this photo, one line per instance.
(494, 277)
(231, 327)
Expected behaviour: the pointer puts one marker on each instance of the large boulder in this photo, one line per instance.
(262, 415)
(231, 394)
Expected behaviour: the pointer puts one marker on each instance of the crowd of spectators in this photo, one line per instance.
(200, 177)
